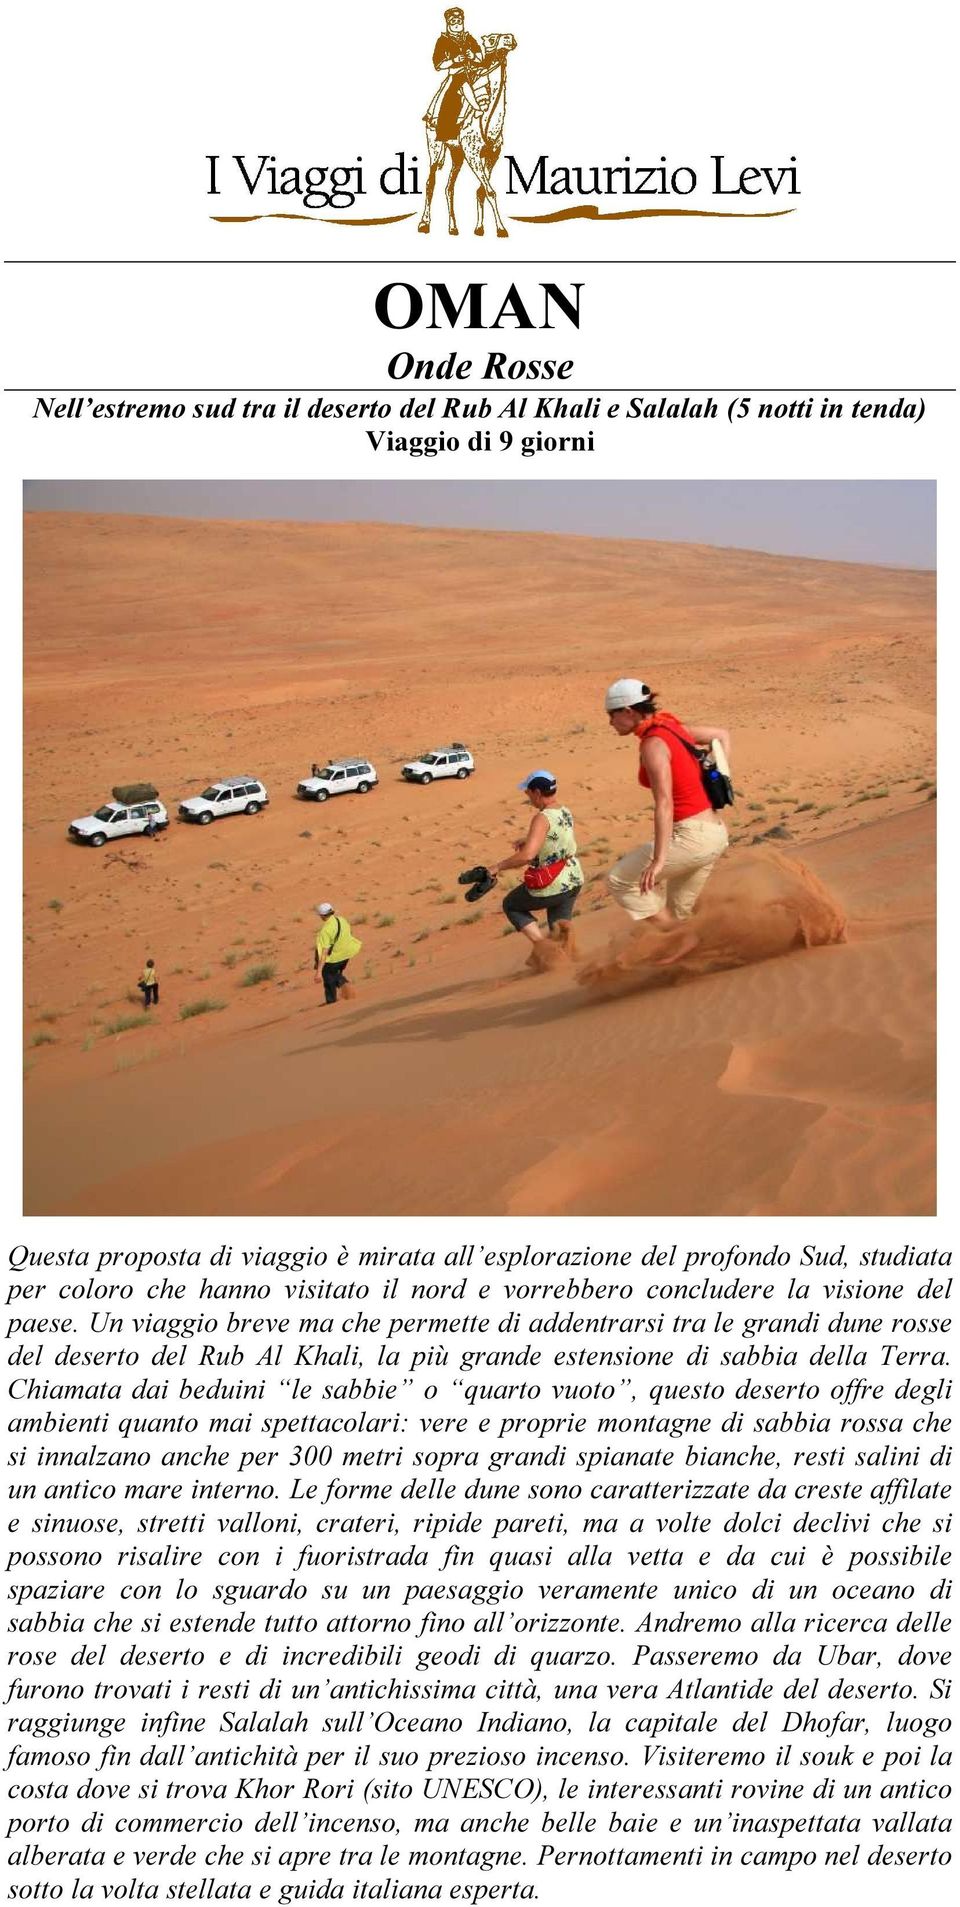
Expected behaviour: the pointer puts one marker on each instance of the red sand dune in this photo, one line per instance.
(801, 1083)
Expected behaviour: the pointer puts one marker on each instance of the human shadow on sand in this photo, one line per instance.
(451, 1026)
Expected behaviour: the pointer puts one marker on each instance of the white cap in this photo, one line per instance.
(324, 907)
(625, 694)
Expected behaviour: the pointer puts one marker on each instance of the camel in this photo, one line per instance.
(479, 138)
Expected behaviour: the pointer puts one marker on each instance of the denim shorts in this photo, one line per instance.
(522, 903)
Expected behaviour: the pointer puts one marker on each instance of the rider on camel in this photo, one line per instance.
(455, 55)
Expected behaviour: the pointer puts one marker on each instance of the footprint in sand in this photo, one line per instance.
(281, 1167)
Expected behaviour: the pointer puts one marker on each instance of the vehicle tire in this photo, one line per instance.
(363, 787)
(97, 840)
(425, 781)
(252, 807)
(321, 795)
(462, 774)
(205, 818)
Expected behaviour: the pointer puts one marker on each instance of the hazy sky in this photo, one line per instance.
(876, 522)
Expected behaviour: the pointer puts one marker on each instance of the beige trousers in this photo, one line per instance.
(695, 848)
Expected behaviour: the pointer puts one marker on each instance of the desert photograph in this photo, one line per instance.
(342, 894)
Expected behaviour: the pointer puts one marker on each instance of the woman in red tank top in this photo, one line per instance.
(689, 796)
(688, 837)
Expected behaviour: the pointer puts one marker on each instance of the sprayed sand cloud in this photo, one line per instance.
(756, 906)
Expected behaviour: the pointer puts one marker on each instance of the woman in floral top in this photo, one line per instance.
(548, 852)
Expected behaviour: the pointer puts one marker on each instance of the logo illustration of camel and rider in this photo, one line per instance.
(465, 116)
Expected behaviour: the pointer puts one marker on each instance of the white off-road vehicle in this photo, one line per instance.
(238, 794)
(116, 818)
(355, 775)
(454, 760)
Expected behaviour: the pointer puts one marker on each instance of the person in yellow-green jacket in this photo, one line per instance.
(336, 944)
(149, 984)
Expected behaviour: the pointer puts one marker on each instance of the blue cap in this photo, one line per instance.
(540, 775)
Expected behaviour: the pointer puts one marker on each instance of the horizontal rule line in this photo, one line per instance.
(472, 390)
(446, 261)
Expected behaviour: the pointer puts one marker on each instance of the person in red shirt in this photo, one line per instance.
(688, 836)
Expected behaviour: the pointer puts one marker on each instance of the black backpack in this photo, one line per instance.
(717, 786)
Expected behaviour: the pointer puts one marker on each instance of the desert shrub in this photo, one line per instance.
(192, 1008)
(126, 1023)
(255, 976)
(123, 1061)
